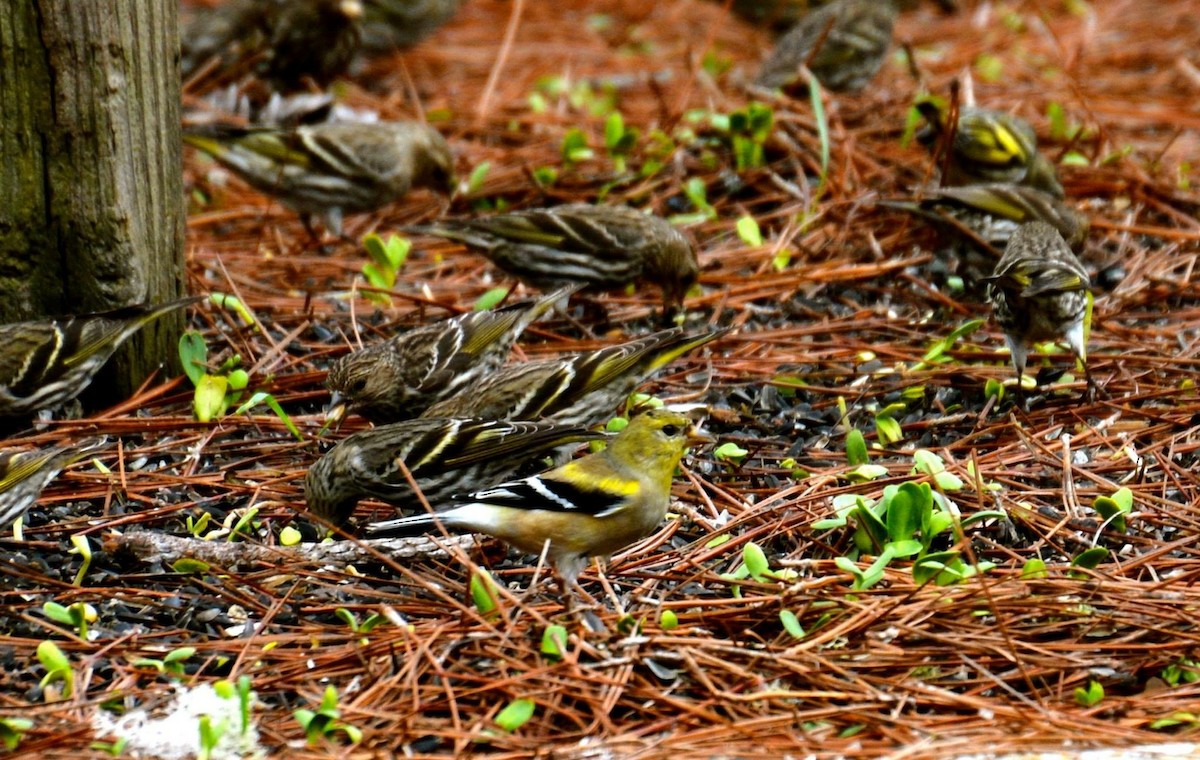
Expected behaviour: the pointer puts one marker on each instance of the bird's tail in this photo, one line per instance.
(417, 525)
(465, 235)
(54, 458)
(639, 358)
(118, 325)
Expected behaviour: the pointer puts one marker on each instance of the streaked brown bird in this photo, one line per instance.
(329, 170)
(47, 363)
(399, 378)
(578, 390)
(601, 247)
(400, 24)
(288, 43)
(987, 147)
(843, 44)
(781, 15)
(1039, 292)
(975, 222)
(23, 475)
(444, 457)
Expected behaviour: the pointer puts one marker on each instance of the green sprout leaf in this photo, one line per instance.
(856, 448)
(516, 714)
(12, 730)
(58, 667)
(234, 304)
(1115, 508)
(575, 146)
(1089, 559)
(193, 355)
(822, 121)
(478, 175)
(483, 592)
(1034, 568)
(554, 641)
(791, 624)
(266, 398)
(491, 299)
(209, 401)
(1090, 695)
(755, 560)
(748, 231)
(730, 452)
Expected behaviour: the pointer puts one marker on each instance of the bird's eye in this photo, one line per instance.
(671, 430)
(359, 385)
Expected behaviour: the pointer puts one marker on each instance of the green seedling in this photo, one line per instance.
(217, 391)
(483, 593)
(1115, 509)
(554, 642)
(325, 722)
(575, 147)
(516, 714)
(749, 128)
(730, 452)
(748, 231)
(77, 616)
(12, 730)
(1089, 559)
(619, 140)
(58, 670)
(1183, 672)
(210, 736)
(387, 259)
(172, 664)
(791, 624)
(81, 546)
(367, 625)
(1090, 695)
(905, 522)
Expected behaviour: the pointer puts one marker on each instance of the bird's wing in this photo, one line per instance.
(1054, 277)
(559, 492)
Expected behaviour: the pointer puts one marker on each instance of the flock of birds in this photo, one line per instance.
(450, 416)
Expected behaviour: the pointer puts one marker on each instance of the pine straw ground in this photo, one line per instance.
(902, 669)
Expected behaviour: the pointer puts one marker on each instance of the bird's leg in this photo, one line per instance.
(313, 235)
(1019, 354)
(1021, 397)
(586, 612)
(1092, 389)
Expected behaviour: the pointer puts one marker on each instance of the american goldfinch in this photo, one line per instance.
(843, 44)
(285, 42)
(1038, 292)
(44, 364)
(444, 457)
(603, 247)
(23, 475)
(328, 170)
(592, 506)
(576, 390)
(989, 146)
(392, 24)
(399, 378)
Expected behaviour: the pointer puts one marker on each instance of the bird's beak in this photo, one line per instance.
(336, 410)
(697, 437)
